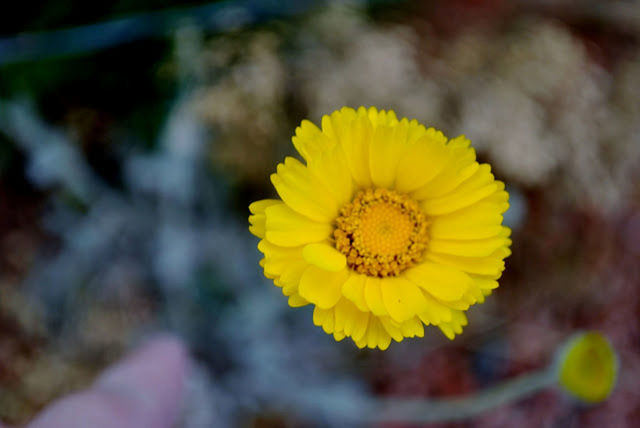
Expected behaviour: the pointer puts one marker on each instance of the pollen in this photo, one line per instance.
(381, 232)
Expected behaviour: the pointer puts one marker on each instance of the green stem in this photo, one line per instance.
(421, 410)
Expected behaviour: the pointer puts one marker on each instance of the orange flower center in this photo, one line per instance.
(381, 232)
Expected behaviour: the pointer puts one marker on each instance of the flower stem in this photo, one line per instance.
(422, 410)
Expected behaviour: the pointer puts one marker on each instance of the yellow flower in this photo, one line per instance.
(588, 367)
(386, 227)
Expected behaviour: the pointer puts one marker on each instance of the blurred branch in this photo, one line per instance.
(218, 16)
(53, 159)
(215, 17)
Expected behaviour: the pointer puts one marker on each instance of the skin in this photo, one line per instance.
(144, 390)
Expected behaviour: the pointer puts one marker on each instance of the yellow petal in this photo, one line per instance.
(485, 284)
(387, 146)
(481, 220)
(459, 141)
(289, 280)
(489, 265)
(456, 200)
(324, 256)
(321, 287)
(477, 187)
(499, 197)
(447, 330)
(342, 313)
(303, 193)
(375, 337)
(355, 321)
(353, 289)
(296, 301)
(373, 296)
(420, 163)
(278, 258)
(350, 314)
(356, 149)
(435, 312)
(392, 328)
(401, 298)
(479, 293)
(287, 228)
(480, 178)
(360, 325)
(352, 135)
(460, 166)
(453, 327)
(332, 170)
(412, 328)
(442, 282)
(309, 141)
(324, 318)
(459, 318)
(467, 233)
(328, 324)
(336, 125)
(470, 248)
(258, 207)
(463, 304)
(379, 117)
(319, 316)
(381, 338)
(418, 131)
(258, 218)
(257, 225)
(360, 343)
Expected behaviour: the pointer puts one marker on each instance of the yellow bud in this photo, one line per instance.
(587, 367)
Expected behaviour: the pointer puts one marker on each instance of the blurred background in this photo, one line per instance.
(134, 134)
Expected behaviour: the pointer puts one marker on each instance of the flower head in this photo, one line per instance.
(588, 367)
(386, 227)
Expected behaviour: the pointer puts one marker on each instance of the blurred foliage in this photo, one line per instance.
(46, 15)
(102, 85)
